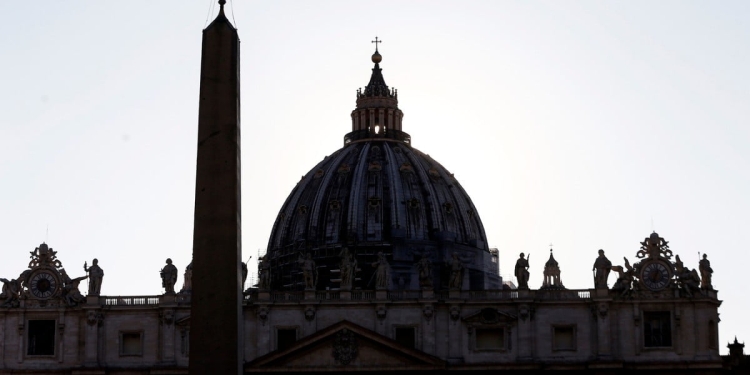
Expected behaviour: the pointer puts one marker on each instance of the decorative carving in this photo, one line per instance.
(687, 279)
(44, 256)
(455, 312)
(309, 313)
(654, 247)
(381, 311)
(706, 272)
(167, 316)
(601, 269)
(348, 269)
(428, 312)
(168, 277)
(525, 311)
(424, 268)
(94, 317)
(382, 269)
(70, 292)
(345, 347)
(96, 275)
(522, 272)
(263, 314)
(457, 273)
(603, 308)
(11, 293)
(625, 276)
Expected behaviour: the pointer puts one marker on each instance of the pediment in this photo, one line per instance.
(345, 346)
(490, 316)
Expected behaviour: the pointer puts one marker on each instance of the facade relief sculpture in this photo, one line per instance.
(168, 277)
(424, 269)
(347, 268)
(457, 272)
(522, 272)
(601, 269)
(309, 272)
(382, 270)
(96, 275)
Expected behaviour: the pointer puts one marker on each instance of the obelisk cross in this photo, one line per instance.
(376, 41)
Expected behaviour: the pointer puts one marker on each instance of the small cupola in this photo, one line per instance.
(377, 115)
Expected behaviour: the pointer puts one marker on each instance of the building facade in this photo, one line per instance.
(377, 261)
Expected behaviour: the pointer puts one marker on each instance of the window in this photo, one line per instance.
(490, 339)
(285, 337)
(657, 329)
(564, 338)
(131, 344)
(41, 337)
(406, 336)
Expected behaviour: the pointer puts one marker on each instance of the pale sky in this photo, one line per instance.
(585, 124)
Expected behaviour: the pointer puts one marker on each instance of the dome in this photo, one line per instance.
(379, 194)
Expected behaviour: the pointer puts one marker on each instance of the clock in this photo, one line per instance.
(656, 276)
(43, 284)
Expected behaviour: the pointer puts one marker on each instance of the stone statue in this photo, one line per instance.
(264, 273)
(625, 276)
(601, 269)
(424, 268)
(168, 277)
(96, 274)
(308, 270)
(187, 284)
(348, 268)
(457, 272)
(11, 293)
(70, 292)
(381, 272)
(705, 267)
(688, 279)
(522, 272)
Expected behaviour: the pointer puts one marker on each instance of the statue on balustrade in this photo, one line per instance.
(11, 293)
(424, 268)
(187, 283)
(168, 277)
(522, 272)
(601, 269)
(96, 275)
(625, 277)
(688, 279)
(348, 269)
(457, 272)
(308, 271)
(382, 269)
(705, 267)
(70, 292)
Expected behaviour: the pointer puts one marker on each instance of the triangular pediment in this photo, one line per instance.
(345, 346)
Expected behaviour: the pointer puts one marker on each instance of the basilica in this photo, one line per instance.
(377, 261)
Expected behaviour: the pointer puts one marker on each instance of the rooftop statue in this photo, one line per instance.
(382, 269)
(706, 271)
(96, 274)
(457, 273)
(348, 269)
(264, 274)
(522, 272)
(625, 276)
(309, 272)
(688, 279)
(424, 268)
(601, 269)
(187, 284)
(168, 277)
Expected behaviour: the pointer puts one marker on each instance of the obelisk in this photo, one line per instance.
(215, 313)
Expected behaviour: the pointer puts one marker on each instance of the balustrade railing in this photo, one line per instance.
(129, 300)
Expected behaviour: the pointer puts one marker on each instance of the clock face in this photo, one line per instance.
(656, 276)
(43, 284)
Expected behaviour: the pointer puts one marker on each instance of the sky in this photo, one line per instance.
(581, 124)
